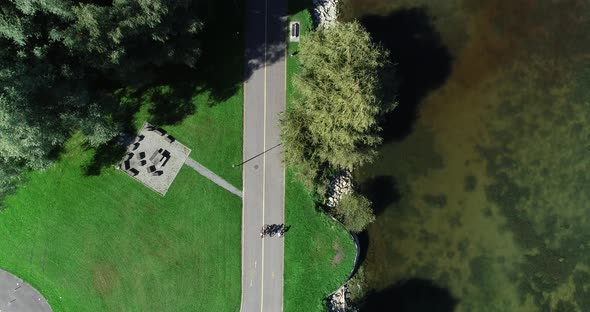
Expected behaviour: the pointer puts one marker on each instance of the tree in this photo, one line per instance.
(29, 129)
(355, 212)
(57, 56)
(11, 174)
(61, 61)
(338, 100)
(133, 33)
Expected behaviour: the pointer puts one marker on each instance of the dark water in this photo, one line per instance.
(482, 188)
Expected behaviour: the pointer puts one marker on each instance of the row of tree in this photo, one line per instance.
(60, 61)
(341, 92)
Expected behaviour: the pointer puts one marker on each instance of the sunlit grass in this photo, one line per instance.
(311, 245)
(213, 132)
(314, 239)
(107, 243)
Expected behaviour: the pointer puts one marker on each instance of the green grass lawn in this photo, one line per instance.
(306, 24)
(315, 242)
(312, 249)
(107, 243)
(104, 242)
(91, 238)
(213, 132)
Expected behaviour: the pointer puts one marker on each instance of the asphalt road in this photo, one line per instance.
(264, 175)
(18, 296)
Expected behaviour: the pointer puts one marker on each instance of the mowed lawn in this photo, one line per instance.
(210, 148)
(213, 132)
(107, 243)
(319, 252)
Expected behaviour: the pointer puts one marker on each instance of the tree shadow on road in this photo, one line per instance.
(219, 72)
(258, 53)
(220, 69)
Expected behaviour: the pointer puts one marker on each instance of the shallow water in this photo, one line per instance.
(485, 193)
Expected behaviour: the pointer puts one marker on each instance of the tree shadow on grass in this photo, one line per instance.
(217, 70)
(219, 66)
(413, 295)
(105, 155)
(171, 104)
(125, 105)
(296, 6)
(220, 70)
(423, 63)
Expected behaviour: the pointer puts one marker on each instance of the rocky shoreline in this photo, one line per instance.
(325, 12)
(340, 185)
(337, 301)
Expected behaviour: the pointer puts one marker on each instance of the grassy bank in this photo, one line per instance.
(301, 14)
(107, 243)
(213, 131)
(101, 241)
(319, 253)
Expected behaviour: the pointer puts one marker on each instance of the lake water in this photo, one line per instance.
(482, 187)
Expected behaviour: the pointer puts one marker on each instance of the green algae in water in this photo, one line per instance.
(506, 142)
(470, 183)
(435, 201)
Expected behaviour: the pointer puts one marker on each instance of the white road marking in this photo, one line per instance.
(264, 155)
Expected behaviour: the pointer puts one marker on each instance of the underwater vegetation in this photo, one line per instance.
(490, 180)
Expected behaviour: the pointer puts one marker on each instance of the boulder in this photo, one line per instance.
(325, 12)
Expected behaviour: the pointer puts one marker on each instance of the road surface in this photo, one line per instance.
(264, 175)
(18, 296)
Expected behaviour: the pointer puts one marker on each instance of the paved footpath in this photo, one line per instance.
(18, 296)
(264, 176)
(211, 176)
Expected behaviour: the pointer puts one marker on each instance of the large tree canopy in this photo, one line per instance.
(338, 99)
(61, 59)
(57, 53)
